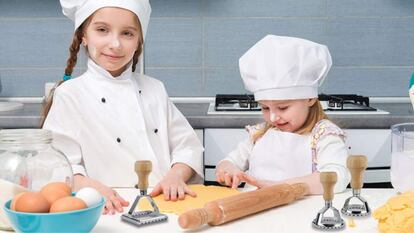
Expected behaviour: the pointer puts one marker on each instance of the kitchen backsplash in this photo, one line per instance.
(193, 46)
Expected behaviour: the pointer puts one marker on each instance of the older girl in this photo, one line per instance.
(117, 115)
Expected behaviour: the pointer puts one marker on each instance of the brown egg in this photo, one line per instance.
(61, 186)
(67, 204)
(32, 202)
(54, 191)
(14, 201)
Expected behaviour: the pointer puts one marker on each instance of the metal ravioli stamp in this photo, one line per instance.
(328, 218)
(356, 206)
(139, 218)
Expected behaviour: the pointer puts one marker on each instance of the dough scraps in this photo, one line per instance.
(397, 215)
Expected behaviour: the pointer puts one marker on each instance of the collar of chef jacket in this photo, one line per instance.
(100, 72)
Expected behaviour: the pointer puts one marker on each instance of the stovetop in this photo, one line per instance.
(236, 103)
(332, 104)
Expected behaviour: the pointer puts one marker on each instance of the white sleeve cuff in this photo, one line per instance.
(78, 169)
(332, 155)
(193, 160)
(240, 156)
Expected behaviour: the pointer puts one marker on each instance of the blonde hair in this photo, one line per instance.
(315, 115)
(73, 57)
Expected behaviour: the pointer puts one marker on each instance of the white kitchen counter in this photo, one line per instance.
(295, 217)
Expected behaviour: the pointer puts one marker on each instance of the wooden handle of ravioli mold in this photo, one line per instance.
(230, 208)
(328, 180)
(143, 168)
(356, 165)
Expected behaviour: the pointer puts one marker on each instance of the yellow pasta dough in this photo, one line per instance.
(204, 195)
(397, 215)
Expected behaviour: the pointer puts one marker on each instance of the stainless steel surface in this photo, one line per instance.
(360, 208)
(212, 111)
(388, 100)
(144, 217)
(329, 222)
(245, 104)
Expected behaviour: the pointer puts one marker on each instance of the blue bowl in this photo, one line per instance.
(72, 221)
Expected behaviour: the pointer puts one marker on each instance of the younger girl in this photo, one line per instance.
(117, 115)
(297, 141)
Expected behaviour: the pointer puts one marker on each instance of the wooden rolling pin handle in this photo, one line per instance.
(328, 180)
(143, 168)
(195, 218)
(356, 165)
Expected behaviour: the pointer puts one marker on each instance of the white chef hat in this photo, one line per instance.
(79, 10)
(284, 68)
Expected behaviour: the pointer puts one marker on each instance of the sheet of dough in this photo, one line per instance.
(204, 195)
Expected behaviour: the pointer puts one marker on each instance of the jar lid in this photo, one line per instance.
(25, 136)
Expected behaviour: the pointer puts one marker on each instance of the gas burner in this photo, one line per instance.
(332, 104)
(236, 103)
(341, 102)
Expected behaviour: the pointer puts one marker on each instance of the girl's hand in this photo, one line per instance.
(173, 189)
(114, 202)
(173, 185)
(258, 183)
(228, 174)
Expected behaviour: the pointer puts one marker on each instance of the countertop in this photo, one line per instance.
(295, 217)
(196, 113)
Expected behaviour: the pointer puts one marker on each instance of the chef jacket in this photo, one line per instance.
(278, 156)
(117, 121)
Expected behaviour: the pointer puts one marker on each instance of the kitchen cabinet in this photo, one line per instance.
(217, 144)
(200, 134)
(373, 143)
(376, 145)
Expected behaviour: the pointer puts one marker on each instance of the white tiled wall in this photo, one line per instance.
(194, 45)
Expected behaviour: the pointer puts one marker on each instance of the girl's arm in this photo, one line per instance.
(312, 180)
(63, 121)
(241, 155)
(185, 147)
(230, 170)
(186, 156)
(332, 154)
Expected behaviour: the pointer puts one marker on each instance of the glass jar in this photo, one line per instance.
(28, 161)
(402, 157)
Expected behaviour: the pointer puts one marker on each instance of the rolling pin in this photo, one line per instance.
(230, 208)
